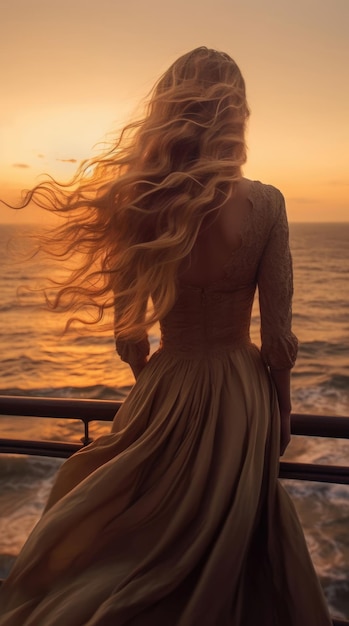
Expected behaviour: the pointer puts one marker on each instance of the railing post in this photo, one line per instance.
(85, 440)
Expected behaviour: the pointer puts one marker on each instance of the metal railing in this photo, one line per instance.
(88, 411)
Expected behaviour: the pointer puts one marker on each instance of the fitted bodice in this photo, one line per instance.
(206, 319)
(217, 316)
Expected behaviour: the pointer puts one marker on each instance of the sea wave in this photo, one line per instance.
(25, 484)
(20, 470)
(92, 392)
(324, 348)
(324, 513)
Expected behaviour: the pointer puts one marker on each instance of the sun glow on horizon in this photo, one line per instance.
(61, 99)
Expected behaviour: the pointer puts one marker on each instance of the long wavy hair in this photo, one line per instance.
(132, 215)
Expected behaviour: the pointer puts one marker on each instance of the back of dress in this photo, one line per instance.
(217, 315)
(177, 516)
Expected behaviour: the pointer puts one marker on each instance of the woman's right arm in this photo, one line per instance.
(275, 286)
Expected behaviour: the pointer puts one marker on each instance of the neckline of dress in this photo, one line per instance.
(250, 196)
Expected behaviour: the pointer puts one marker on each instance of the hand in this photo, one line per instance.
(282, 382)
(285, 430)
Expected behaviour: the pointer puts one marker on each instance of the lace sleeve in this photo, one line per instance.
(275, 286)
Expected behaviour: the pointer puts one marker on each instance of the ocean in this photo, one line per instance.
(38, 361)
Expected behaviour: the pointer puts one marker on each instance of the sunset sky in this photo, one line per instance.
(74, 70)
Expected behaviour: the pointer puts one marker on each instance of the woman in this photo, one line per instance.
(177, 516)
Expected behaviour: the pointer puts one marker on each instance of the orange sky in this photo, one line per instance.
(72, 70)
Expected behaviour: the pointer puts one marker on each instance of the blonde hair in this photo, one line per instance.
(133, 214)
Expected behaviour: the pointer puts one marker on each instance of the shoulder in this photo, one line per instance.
(267, 210)
(264, 192)
(267, 201)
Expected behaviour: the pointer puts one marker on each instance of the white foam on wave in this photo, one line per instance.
(319, 399)
(324, 512)
(24, 487)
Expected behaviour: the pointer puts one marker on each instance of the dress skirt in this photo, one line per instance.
(177, 517)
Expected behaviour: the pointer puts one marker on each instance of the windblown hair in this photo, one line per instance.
(133, 214)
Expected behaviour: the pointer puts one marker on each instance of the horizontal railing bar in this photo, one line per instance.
(320, 425)
(298, 471)
(338, 474)
(63, 408)
(58, 449)
(105, 410)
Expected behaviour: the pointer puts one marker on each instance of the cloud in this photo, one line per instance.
(302, 199)
(67, 160)
(21, 166)
(338, 182)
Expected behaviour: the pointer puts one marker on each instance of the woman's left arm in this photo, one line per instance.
(135, 352)
(279, 344)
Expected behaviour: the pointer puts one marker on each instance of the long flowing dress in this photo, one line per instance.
(177, 517)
